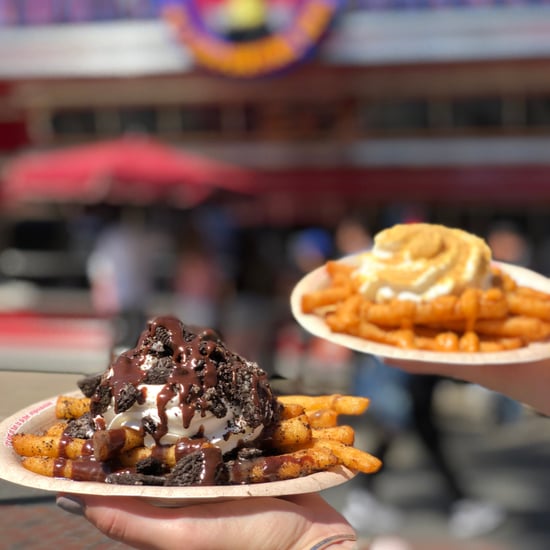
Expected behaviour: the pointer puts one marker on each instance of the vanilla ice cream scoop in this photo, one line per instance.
(421, 261)
(179, 384)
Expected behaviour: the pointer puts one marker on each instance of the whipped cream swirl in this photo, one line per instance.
(420, 262)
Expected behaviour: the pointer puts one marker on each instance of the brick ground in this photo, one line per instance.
(43, 526)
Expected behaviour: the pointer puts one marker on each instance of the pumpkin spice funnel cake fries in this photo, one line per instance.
(430, 287)
(181, 409)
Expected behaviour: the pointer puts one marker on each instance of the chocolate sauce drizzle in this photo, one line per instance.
(203, 375)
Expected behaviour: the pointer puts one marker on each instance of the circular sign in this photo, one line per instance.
(249, 38)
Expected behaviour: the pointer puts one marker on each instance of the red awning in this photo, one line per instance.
(128, 170)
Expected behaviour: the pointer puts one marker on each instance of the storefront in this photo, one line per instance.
(377, 100)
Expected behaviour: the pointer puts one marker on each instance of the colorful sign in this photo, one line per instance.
(250, 38)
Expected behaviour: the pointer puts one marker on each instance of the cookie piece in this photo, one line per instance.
(203, 467)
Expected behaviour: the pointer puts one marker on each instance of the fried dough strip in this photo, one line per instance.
(440, 341)
(475, 316)
(109, 443)
(370, 331)
(351, 457)
(322, 418)
(306, 440)
(291, 410)
(529, 329)
(499, 344)
(56, 429)
(280, 467)
(467, 342)
(165, 453)
(292, 432)
(325, 297)
(471, 305)
(342, 404)
(69, 407)
(344, 434)
(529, 302)
(84, 469)
(339, 271)
(52, 446)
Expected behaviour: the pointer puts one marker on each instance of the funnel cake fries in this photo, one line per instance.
(180, 409)
(490, 313)
(307, 439)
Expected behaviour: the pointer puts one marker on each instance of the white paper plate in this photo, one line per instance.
(38, 417)
(314, 324)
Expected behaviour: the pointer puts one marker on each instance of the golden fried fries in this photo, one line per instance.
(56, 429)
(290, 410)
(48, 446)
(68, 407)
(65, 467)
(291, 432)
(341, 404)
(306, 439)
(283, 466)
(165, 453)
(344, 434)
(503, 317)
(109, 443)
(322, 418)
(324, 298)
(352, 458)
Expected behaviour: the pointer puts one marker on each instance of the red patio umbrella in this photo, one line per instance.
(127, 170)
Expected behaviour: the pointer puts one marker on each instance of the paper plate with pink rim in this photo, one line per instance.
(314, 324)
(38, 417)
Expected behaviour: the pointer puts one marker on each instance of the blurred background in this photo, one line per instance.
(198, 157)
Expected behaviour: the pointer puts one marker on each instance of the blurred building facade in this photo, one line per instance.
(442, 103)
(438, 101)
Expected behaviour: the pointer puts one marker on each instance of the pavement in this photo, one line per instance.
(506, 464)
(53, 343)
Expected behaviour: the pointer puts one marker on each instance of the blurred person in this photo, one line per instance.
(199, 282)
(468, 516)
(390, 412)
(402, 402)
(249, 314)
(119, 269)
(314, 364)
(302, 522)
(310, 248)
(508, 244)
(352, 236)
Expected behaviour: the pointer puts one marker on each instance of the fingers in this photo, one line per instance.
(295, 522)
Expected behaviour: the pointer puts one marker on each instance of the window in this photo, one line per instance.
(74, 122)
(201, 118)
(477, 113)
(395, 115)
(142, 120)
(538, 111)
